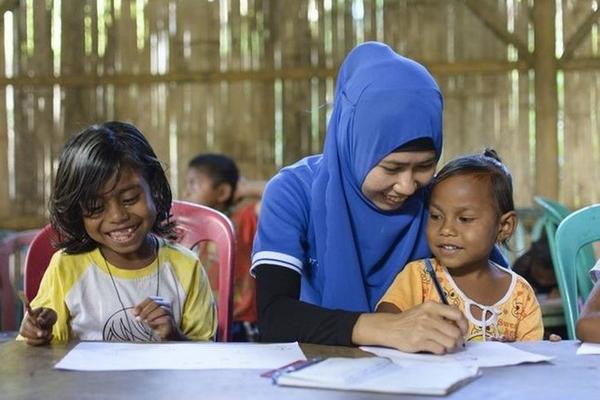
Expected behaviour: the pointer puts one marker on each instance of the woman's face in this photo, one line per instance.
(398, 176)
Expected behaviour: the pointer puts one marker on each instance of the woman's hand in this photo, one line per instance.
(37, 325)
(431, 327)
(156, 312)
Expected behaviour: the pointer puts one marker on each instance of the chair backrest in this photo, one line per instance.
(552, 209)
(553, 214)
(38, 257)
(577, 231)
(13, 244)
(194, 224)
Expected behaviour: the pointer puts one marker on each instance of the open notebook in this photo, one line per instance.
(376, 374)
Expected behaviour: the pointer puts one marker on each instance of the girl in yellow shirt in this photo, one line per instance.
(115, 278)
(471, 209)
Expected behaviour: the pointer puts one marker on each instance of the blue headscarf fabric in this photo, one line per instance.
(382, 101)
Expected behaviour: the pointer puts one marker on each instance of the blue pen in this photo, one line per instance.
(438, 288)
(295, 367)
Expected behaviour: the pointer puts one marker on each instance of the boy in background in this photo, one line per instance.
(213, 180)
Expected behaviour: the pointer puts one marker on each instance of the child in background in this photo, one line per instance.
(213, 180)
(115, 277)
(537, 268)
(588, 324)
(471, 209)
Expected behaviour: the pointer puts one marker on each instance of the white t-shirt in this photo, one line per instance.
(93, 299)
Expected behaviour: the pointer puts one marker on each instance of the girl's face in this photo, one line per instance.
(398, 176)
(464, 222)
(121, 219)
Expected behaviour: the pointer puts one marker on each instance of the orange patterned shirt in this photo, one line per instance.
(517, 316)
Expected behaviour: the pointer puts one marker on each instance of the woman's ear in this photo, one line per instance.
(507, 225)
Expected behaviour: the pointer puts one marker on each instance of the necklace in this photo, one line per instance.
(157, 246)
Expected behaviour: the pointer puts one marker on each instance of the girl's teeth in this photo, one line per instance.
(121, 236)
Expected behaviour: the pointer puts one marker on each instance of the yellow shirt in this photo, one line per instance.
(94, 302)
(517, 316)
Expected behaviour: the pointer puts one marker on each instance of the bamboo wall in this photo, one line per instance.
(580, 157)
(254, 78)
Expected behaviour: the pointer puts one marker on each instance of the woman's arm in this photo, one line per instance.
(282, 317)
(431, 326)
(588, 325)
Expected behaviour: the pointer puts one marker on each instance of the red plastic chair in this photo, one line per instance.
(37, 260)
(12, 244)
(194, 224)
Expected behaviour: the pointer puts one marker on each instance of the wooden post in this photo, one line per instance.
(546, 100)
(75, 107)
(5, 202)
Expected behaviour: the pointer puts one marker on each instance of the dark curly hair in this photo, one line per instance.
(88, 161)
(487, 166)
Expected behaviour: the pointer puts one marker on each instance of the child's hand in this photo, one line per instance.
(156, 312)
(37, 326)
(554, 337)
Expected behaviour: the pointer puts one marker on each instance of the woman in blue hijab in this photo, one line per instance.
(336, 228)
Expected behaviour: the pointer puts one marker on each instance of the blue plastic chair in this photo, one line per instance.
(553, 215)
(574, 236)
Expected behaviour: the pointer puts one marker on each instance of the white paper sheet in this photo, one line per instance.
(588, 348)
(480, 354)
(376, 374)
(105, 356)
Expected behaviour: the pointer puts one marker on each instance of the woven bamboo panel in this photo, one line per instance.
(580, 156)
(254, 79)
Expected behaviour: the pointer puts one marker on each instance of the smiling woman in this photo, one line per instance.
(335, 228)
(399, 175)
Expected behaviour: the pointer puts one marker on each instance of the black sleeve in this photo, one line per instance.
(282, 317)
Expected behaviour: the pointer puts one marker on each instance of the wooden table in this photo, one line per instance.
(28, 373)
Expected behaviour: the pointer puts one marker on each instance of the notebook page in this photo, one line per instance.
(588, 348)
(381, 375)
(480, 354)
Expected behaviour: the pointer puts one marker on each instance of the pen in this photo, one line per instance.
(436, 283)
(438, 288)
(296, 366)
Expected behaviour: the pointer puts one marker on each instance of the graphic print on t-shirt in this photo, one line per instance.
(122, 326)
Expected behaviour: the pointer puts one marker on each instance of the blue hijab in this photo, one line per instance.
(382, 101)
